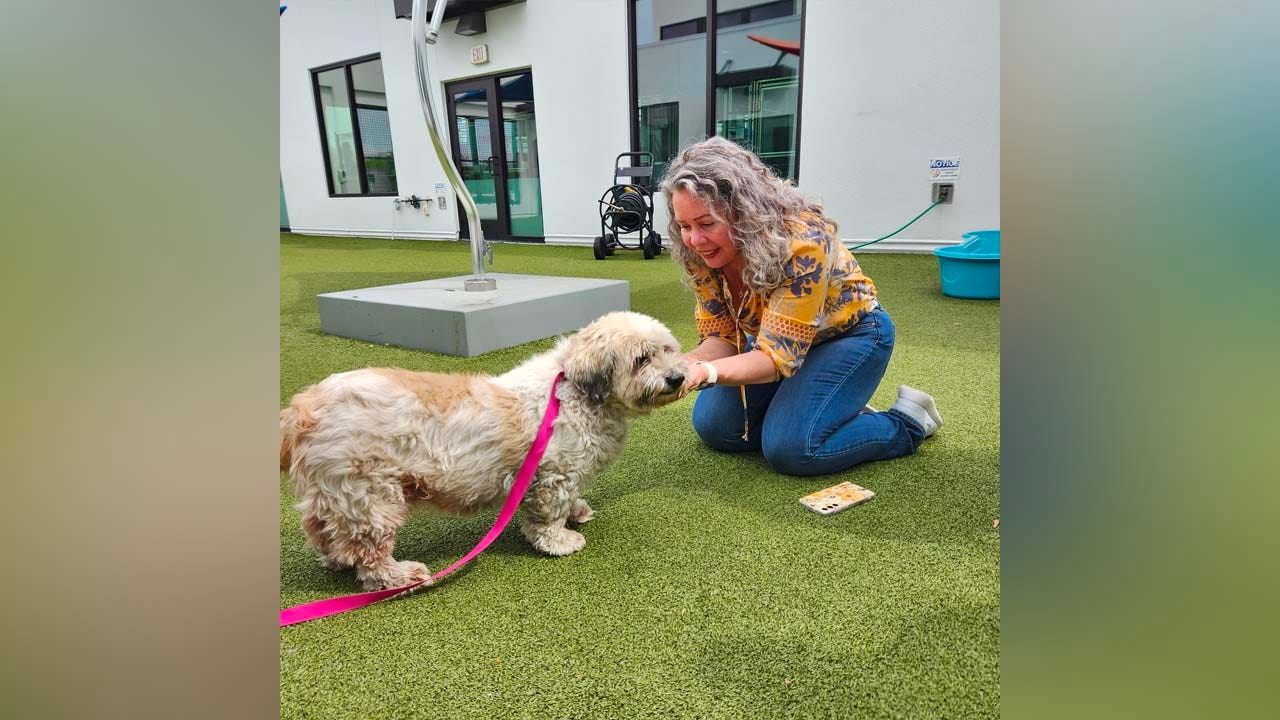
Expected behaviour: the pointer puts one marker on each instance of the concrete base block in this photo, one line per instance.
(439, 316)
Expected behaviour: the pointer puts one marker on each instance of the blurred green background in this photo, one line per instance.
(1139, 359)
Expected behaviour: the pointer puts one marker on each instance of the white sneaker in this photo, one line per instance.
(918, 406)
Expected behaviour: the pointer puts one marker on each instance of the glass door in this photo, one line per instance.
(520, 155)
(495, 145)
(474, 151)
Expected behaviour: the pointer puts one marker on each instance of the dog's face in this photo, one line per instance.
(628, 358)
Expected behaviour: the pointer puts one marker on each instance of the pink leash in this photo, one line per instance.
(333, 606)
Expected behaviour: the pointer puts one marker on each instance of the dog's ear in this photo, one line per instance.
(589, 364)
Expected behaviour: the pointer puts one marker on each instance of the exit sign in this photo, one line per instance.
(479, 54)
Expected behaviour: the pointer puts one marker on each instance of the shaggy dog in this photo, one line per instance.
(361, 446)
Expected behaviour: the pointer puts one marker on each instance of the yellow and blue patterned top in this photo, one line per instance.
(823, 294)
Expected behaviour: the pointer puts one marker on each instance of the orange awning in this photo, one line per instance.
(786, 46)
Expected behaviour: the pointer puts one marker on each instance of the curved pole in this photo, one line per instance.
(479, 246)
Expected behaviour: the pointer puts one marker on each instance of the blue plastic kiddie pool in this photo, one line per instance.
(972, 268)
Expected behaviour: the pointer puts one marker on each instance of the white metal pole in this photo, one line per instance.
(422, 36)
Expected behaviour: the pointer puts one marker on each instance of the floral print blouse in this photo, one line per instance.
(824, 294)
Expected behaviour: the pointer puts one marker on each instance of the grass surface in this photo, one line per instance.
(705, 589)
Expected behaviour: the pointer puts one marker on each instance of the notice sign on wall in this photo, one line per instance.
(479, 54)
(944, 168)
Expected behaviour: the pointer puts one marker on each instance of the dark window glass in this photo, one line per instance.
(671, 77)
(758, 83)
(772, 11)
(730, 18)
(660, 134)
(375, 127)
(755, 78)
(356, 129)
(681, 29)
(336, 129)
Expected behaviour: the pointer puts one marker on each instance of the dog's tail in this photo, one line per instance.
(296, 423)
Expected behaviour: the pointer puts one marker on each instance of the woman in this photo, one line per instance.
(793, 342)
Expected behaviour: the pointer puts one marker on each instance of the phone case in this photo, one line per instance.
(836, 498)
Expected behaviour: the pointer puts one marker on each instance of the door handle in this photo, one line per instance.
(493, 169)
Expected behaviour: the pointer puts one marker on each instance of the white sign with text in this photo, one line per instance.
(944, 168)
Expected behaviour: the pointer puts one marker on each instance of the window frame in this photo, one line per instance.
(743, 15)
(345, 66)
(675, 106)
(633, 94)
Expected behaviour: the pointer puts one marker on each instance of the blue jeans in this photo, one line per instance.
(811, 423)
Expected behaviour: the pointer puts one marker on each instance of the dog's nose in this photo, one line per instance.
(675, 381)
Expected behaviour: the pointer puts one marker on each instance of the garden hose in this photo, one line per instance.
(895, 232)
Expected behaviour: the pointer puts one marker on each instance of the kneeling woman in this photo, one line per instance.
(793, 342)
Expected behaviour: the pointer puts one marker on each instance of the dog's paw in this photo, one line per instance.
(560, 541)
(402, 573)
(580, 512)
(410, 572)
(330, 563)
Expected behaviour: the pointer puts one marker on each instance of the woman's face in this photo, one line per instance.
(702, 233)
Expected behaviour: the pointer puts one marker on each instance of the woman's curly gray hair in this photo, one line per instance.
(744, 193)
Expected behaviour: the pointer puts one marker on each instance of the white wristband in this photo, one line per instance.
(711, 372)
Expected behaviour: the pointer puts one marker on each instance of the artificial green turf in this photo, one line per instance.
(705, 589)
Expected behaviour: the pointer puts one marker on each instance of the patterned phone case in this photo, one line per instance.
(836, 498)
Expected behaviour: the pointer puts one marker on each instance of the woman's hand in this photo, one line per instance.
(696, 376)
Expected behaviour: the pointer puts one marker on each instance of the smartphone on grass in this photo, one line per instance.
(829, 501)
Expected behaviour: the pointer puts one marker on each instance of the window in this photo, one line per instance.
(758, 82)
(729, 18)
(355, 129)
(681, 29)
(741, 80)
(669, 98)
(660, 134)
(756, 13)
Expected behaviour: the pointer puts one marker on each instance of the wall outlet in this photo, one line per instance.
(942, 193)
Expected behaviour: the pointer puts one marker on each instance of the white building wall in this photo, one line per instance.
(887, 85)
(314, 33)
